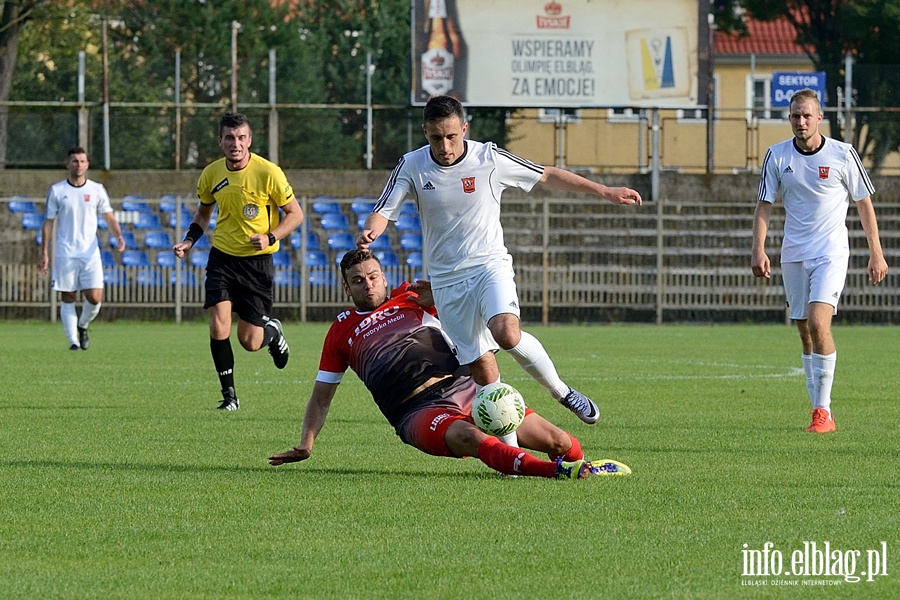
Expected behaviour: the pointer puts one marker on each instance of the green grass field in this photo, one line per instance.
(119, 480)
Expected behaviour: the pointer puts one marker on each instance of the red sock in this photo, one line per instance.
(513, 461)
(573, 453)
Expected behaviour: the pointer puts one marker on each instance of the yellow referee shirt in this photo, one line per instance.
(248, 202)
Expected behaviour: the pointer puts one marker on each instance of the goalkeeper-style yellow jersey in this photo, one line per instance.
(248, 202)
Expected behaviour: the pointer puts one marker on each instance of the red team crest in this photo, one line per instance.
(87, 197)
(468, 184)
(823, 172)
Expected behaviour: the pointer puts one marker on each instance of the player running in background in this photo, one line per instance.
(249, 191)
(396, 346)
(74, 204)
(817, 176)
(457, 184)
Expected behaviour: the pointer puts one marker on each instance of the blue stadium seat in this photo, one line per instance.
(281, 259)
(136, 203)
(288, 278)
(409, 222)
(108, 259)
(335, 221)
(322, 278)
(186, 219)
(414, 260)
(203, 243)
(135, 258)
(150, 277)
(115, 276)
(341, 241)
(316, 258)
(158, 239)
(130, 241)
(388, 259)
(166, 259)
(147, 220)
(362, 205)
(32, 220)
(382, 242)
(411, 242)
(21, 204)
(101, 223)
(325, 204)
(188, 279)
(38, 238)
(361, 220)
(168, 203)
(199, 258)
(312, 241)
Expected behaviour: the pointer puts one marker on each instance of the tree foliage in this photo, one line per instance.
(867, 30)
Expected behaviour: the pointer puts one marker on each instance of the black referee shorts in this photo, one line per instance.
(247, 281)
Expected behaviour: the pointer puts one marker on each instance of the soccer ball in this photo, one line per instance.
(498, 409)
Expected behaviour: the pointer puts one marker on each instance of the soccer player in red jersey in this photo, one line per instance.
(395, 344)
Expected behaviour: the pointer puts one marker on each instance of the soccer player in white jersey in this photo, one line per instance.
(456, 184)
(74, 204)
(817, 177)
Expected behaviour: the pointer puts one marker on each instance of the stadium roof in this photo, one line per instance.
(766, 37)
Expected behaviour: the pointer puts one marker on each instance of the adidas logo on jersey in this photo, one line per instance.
(428, 186)
(788, 169)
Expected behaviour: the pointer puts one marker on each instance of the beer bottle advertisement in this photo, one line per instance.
(440, 50)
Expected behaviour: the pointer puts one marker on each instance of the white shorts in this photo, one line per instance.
(815, 280)
(76, 274)
(465, 308)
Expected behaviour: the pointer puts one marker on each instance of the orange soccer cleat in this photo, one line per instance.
(822, 421)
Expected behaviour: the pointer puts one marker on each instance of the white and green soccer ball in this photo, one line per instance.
(498, 409)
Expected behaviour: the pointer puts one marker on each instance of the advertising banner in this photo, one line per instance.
(542, 53)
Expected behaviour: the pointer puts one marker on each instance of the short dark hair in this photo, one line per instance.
(233, 119)
(443, 107)
(75, 150)
(354, 257)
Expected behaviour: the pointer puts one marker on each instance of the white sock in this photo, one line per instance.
(810, 380)
(823, 372)
(69, 319)
(89, 312)
(532, 357)
(510, 439)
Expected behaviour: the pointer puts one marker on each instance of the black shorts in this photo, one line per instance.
(247, 281)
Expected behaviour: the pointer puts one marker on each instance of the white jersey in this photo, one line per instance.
(459, 205)
(75, 210)
(816, 189)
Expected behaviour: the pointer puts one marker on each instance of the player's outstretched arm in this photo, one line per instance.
(560, 179)
(759, 260)
(316, 413)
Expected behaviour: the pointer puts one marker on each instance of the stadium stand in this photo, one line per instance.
(312, 241)
(414, 260)
(281, 260)
(108, 259)
(362, 206)
(115, 276)
(322, 278)
(288, 278)
(409, 222)
(166, 259)
(411, 242)
(147, 220)
(150, 277)
(135, 203)
(199, 258)
(388, 259)
(325, 205)
(130, 240)
(316, 259)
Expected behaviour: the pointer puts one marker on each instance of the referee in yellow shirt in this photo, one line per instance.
(239, 275)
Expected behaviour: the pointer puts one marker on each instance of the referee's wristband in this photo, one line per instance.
(194, 233)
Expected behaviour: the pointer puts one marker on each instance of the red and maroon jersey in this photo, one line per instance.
(393, 349)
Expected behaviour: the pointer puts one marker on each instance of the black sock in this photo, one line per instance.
(223, 359)
(269, 334)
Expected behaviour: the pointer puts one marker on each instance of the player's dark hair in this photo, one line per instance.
(354, 257)
(443, 107)
(76, 150)
(233, 119)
